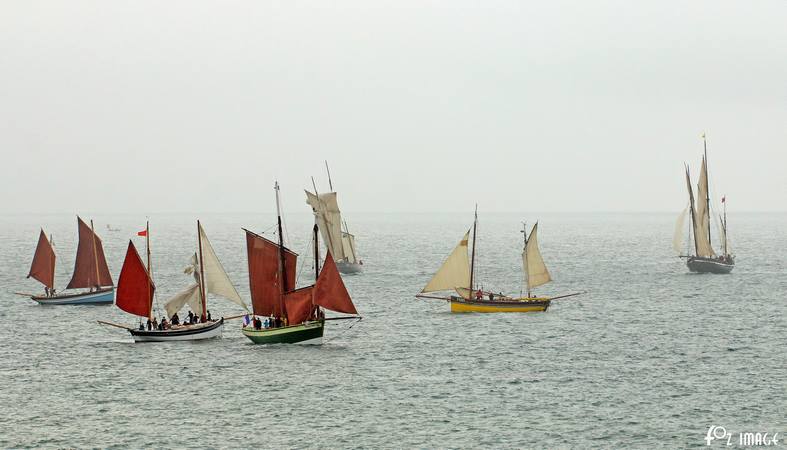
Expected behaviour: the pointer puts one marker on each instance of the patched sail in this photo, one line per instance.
(43, 265)
(217, 281)
(90, 268)
(535, 270)
(135, 288)
(455, 271)
(329, 221)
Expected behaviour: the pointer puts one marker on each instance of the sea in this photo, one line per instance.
(648, 356)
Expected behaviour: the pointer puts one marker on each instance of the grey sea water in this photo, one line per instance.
(651, 356)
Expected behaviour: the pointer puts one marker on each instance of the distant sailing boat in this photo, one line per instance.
(457, 274)
(136, 289)
(90, 271)
(335, 233)
(704, 259)
(272, 269)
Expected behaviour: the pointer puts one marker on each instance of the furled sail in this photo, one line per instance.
(677, 237)
(264, 283)
(329, 290)
(702, 216)
(216, 279)
(348, 243)
(90, 268)
(135, 288)
(43, 266)
(329, 220)
(535, 270)
(455, 271)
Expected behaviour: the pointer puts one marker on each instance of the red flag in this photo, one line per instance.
(142, 233)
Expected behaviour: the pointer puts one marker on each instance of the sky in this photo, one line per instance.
(418, 106)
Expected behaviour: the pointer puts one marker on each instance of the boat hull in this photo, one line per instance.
(459, 305)
(305, 334)
(191, 333)
(347, 267)
(99, 297)
(708, 265)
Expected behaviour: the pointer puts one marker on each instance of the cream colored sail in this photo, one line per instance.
(677, 238)
(702, 216)
(348, 243)
(189, 296)
(329, 220)
(455, 271)
(217, 281)
(535, 270)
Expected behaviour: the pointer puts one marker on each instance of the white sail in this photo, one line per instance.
(189, 295)
(348, 243)
(217, 281)
(329, 220)
(702, 216)
(535, 270)
(677, 238)
(455, 271)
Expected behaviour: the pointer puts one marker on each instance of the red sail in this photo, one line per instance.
(43, 267)
(90, 268)
(135, 288)
(299, 305)
(266, 292)
(329, 291)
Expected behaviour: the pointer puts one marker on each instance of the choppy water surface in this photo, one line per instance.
(651, 356)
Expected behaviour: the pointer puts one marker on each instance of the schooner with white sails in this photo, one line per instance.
(704, 258)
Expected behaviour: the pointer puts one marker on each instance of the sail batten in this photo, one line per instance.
(43, 266)
(135, 288)
(535, 271)
(455, 271)
(90, 267)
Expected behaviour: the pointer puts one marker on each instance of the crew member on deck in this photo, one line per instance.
(479, 295)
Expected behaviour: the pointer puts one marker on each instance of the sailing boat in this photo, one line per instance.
(335, 233)
(90, 271)
(704, 259)
(274, 294)
(457, 274)
(136, 290)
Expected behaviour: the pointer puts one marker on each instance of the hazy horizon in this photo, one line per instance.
(558, 107)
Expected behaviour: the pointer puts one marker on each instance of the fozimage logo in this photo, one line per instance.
(742, 439)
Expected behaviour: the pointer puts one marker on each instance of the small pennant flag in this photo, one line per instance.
(142, 233)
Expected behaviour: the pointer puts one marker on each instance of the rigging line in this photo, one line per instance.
(342, 332)
(303, 263)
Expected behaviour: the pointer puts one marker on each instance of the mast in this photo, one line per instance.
(316, 264)
(282, 265)
(330, 183)
(524, 259)
(472, 257)
(724, 223)
(95, 254)
(202, 293)
(150, 274)
(707, 183)
(692, 214)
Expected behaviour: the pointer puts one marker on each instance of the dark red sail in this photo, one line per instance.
(135, 289)
(299, 305)
(330, 292)
(43, 266)
(266, 291)
(90, 268)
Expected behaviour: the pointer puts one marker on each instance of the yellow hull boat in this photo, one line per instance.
(459, 305)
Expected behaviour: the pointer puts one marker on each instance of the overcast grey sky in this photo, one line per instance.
(150, 106)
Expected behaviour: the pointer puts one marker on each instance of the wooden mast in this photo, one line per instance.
(524, 259)
(202, 292)
(282, 265)
(150, 272)
(330, 183)
(724, 224)
(707, 183)
(316, 264)
(693, 219)
(95, 254)
(472, 257)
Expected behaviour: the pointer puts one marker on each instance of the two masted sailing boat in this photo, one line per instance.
(457, 274)
(90, 271)
(704, 259)
(335, 233)
(272, 282)
(136, 291)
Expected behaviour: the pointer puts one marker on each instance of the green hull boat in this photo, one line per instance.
(305, 333)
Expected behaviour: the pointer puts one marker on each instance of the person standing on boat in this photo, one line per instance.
(209, 319)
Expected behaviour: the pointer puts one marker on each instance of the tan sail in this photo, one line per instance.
(535, 270)
(189, 296)
(329, 221)
(348, 242)
(702, 216)
(217, 281)
(455, 271)
(677, 237)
